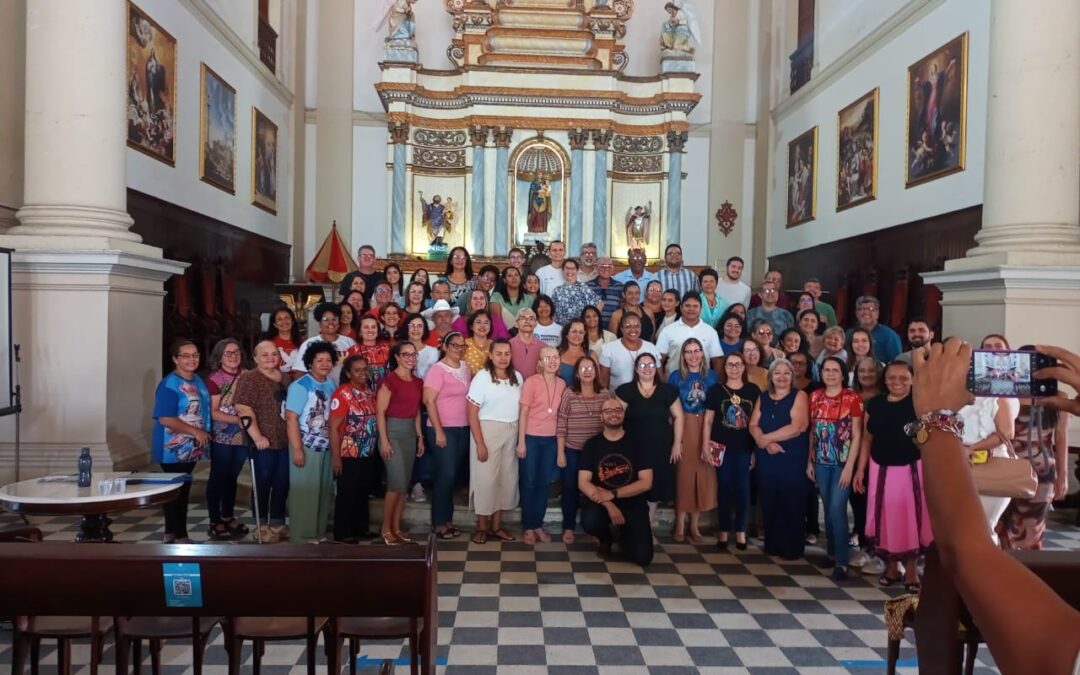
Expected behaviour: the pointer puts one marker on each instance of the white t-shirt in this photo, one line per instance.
(342, 345)
(620, 360)
(550, 279)
(498, 401)
(549, 335)
(425, 359)
(673, 337)
(733, 291)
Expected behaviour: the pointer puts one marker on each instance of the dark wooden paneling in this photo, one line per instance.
(199, 304)
(882, 257)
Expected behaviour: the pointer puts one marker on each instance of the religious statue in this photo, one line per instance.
(638, 220)
(680, 31)
(438, 218)
(400, 43)
(539, 205)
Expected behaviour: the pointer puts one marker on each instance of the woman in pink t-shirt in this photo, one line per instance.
(537, 444)
(446, 436)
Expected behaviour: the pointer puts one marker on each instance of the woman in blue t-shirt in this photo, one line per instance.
(307, 421)
(695, 478)
(181, 424)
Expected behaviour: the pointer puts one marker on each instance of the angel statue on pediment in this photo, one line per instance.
(680, 32)
(398, 16)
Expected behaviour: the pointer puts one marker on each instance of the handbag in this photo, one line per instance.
(716, 453)
(1010, 476)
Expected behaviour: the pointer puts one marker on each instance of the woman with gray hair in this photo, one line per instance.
(779, 428)
(227, 450)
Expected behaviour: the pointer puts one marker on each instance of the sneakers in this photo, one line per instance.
(417, 494)
(858, 559)
(839, 574)
(874, 567)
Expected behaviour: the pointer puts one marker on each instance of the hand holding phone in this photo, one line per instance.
(1010, 373)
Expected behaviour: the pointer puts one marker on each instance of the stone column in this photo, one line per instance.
(502, 189)
(601, 138)
(76, 263)
(1022, 277)
(578, 138)
(334, 129)
(399, 136)
(479, 136)
(676, 142)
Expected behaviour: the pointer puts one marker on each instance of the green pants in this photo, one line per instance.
(310, 495)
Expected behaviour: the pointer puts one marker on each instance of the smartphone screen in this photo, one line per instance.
(1007, 374)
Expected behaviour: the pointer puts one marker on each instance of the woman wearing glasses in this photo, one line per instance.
(446, 436)
(654, 418)
(397, 409)
(537, 445)
(260, 395)
(579, 420)
(695, 489)
(227, 450)
(329, 317)
(353, 439)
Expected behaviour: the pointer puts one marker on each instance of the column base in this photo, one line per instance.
(1023, 244)
(62, 220)
(90, 327)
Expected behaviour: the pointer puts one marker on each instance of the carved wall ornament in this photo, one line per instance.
(601, 138)
(399, 132)
(578, 138)
(503, 136)
(677, 140)
(637, 145)
(440, 138)
(439, 158)
(725, 218)
(638, 164)
(478, 135)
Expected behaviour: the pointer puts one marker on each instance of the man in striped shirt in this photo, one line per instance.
(674, 275)
(607, 288)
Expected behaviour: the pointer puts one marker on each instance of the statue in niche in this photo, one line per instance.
(539, 205)
(680, 31)
(438, 218)
(398, 15)
(638, 220)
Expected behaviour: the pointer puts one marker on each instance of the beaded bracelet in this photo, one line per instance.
(945, 420)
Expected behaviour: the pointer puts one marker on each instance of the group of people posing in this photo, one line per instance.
(630, 389)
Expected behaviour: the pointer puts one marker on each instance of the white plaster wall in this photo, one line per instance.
(840, 24)
(371, 203)
(311, 53)
(180, 185)
(12, 106)
(241, 15)
(310, 174)
(695, 201)
(885, 68)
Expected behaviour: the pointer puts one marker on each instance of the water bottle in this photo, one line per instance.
(85, 464)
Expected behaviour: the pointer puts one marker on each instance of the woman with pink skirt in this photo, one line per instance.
(897, 521)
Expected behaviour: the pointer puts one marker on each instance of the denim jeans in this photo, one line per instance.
(272, 483)
(445, 461)
(226, 462)
(733, 483)
(571, 496)
(536, 472)
(834, 498)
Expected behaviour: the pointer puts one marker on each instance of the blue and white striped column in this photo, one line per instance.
(676, 143)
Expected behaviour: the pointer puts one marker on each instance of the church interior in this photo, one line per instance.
(178, 169)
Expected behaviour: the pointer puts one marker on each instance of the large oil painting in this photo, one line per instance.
(856, 152)
(802, 178)
(937, 110)
(264, 154)
(217, 131)
(151, 87)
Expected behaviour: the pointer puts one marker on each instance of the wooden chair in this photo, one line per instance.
(262, 629)
(377, 628)
(156, 629)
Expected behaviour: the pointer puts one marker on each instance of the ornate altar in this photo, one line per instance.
(534, 133)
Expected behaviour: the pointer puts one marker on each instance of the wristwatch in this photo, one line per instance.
(945, 420)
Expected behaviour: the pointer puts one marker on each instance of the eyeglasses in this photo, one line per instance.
(761, 331)
(549, 358)
(231, 352)
(455, 345)
(692, 351)
(646, 365)
(515, 256)
(329, 319)
(188, 356)
(735, 364)
(612, 411)
(586, 369)
(457, 257)
(408, 355)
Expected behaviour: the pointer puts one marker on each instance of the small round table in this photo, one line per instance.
(38, 497)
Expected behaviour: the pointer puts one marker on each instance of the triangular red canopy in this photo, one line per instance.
(332, 262)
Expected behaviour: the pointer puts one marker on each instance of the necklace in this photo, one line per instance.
(733, 397)
(550, 395)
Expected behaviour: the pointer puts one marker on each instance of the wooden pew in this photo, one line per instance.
(941, 609)
(118, 580)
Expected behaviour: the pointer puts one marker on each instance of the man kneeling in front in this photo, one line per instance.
(614, 477)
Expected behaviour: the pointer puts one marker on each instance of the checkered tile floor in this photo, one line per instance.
(512, 608)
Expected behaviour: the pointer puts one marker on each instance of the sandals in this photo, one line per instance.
(501, 534)
(448, 532)
(678, 537)
(529, 537)
(885, 580)
(913, 587)
(220, 532)
(237, 527)
(479, 537)
(568, 537)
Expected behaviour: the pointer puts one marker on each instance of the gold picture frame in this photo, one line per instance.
(217, 130)
(857, 151)
(936, 131)
(151, 56)
(264, 161)
(802, 178)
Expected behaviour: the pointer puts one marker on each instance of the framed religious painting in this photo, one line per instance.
(264, 153)
(151, 87)
(217, 131)
(856, 152)
(802, 178)
(937, 112)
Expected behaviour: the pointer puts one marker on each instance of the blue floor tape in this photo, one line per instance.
(879, 663)
(364, 661)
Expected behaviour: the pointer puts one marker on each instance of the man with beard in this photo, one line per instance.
(730, 288)
(614, 478)
(919, 335)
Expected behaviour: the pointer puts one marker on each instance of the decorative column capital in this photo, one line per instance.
(503, 136)
(578, 138)
(479, 134)
(399, 132)
(677, 140)
(601, 138)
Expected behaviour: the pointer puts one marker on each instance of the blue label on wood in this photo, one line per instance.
(183, 584)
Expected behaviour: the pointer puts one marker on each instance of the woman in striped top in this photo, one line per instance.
(579, 420)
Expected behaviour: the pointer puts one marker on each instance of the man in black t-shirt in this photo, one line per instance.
(365, 259)
(614, 479)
